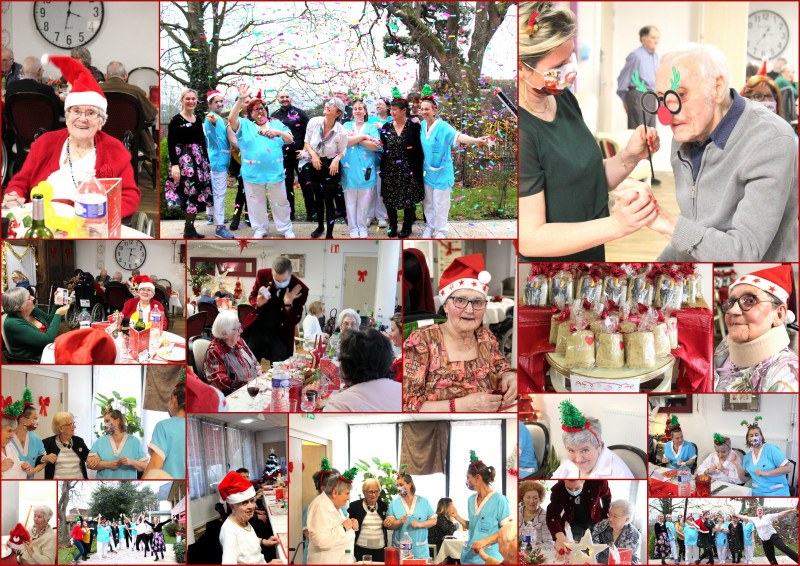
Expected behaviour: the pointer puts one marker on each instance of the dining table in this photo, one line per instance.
(8, 555)
(240, 401)
(175, 353)
(279, 520)
(669, 486)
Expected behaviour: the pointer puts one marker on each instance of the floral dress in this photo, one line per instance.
(661, 549)
(187, 149)
(401, 166)
(428, 375)
(776, 374)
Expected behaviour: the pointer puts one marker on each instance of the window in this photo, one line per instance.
(213, 450)
(482, 437)
(372, 441)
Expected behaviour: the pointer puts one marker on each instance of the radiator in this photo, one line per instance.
(624, 426)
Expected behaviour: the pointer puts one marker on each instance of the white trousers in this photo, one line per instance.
(692, 553)
(436, 207)
(673, 548)
(748, 553)
(102, 549)
(219, 186)
(376, 207)
(357, 203)
(257, 195)
(722, 553)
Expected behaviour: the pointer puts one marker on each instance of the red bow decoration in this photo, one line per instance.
(5, 402)
(555, 268)
(564, 315)
(587, 305)
(449, 249)
(660, 316)
(687, 270)
(642, 308)
(68, 252)
(596, 273)
(44, 402)
(538, 269)
(513, 472)
(616, 271)
(361, 275)
(572, 328)
(290, 467)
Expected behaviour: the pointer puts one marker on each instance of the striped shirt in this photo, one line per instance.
(370, 531)
(228, 368)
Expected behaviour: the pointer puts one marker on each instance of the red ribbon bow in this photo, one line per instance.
(587, 305)
(564, 315)
(44, 402)
(616, 271)
(361, 275)
(5, 403)
(448, 247)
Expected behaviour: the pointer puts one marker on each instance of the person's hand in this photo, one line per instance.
(452, 510)
(334, 168)
(50, 458)
(212, 119)
(262, 515)
(664, 223)
(243, 89)
(271, 541)
(560, 540)
(62, 310)
(92, 461)
(12, 200)
(292, 294)
(734, 458)
(388, 522)
(711, 469)
(637, 144)
(261, 300)
(28, 547)
(348, 524)
(760, 473)
(175, 173)
(26, 467)
(8, 463)
(480, 403)
(679, 462)
(479, 544)
(414, 525)
(403, 519)
(316, 163)
(113, 464)
(483, 140)
(633, 210)
(508, 385)
(125, 461)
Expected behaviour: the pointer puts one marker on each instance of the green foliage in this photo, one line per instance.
(198, 276)
(385, 474)
(180, 551)
(166, 212)
(651, 544)
(112, 499)
(128, 407)
(552, 463)
(171, 528)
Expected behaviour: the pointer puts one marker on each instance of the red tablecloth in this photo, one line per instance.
(695, 337)
(10, 559)
(659, 488)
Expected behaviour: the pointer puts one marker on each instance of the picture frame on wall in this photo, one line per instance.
(741, 402)
(298, 264)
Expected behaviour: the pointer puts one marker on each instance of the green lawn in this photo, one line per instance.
(169, 540)
(65, 555)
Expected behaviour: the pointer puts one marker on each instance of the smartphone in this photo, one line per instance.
(368, 174)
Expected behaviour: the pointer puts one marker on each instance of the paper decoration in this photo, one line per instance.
(585, 551)
(598, 385)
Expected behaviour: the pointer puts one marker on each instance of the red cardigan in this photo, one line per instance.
(131, 305)
(113, 161)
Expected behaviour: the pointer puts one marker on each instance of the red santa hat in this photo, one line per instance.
(19, 536)
(202, 397)
(85, 90)
(762, 72)
(234, 489)
(775, 280)
(143, 281)
(84, 347)
(466, 272)
(211, 94)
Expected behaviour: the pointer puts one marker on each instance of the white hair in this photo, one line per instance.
(348, 312)
(44, 510)
(224, 323)
(370, 481)
(711, 61)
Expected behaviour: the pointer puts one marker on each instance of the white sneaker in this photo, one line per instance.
(289, 235)
(260, 234)
(426, 233)
(382, 223)
(362, 233)
(441, 235)
(354, 233)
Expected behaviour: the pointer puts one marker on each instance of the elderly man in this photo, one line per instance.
(777, 65)
(31, 81)
(223, 292)
(206, 297)
(12, 71)
(117, 81)
(103, 278)
(279, 297)
(296, 120)
(735, 166)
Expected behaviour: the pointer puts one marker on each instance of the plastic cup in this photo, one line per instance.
(292, 405)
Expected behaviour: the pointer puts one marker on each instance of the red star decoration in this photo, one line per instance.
(474, 283)
(772, 289)
(461, 282)
(242, 245)
(756, 280)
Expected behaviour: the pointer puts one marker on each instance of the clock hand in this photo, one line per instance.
(69, 13)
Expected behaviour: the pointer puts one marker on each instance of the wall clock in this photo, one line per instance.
(130, 254)
(767, 34)
(68, 24)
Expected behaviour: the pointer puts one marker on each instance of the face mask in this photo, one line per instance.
(110, 428)
(573, 493)
(402, 491)
(470, 486)
(771, 104)
(557, 80)
(756, 442)
(282, 285)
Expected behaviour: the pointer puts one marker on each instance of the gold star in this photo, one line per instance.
(585, 551)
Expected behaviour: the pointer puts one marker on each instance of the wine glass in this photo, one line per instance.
(253, 389)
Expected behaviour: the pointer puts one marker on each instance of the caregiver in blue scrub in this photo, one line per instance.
(168, 445)
(488, 512)
(117, 455)
(359, 174)
(412, 514)
(766, 464)
(677, 451)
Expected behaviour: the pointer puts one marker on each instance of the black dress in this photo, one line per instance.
(187, 149)
(444, 527)
(736, 538)
(401, 166)
(661, 548)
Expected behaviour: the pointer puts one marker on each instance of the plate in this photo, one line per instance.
(6, 552)
(177, 354)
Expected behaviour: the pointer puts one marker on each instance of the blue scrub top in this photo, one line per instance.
(103, 534)
(689, 535)
(35, 449)
(748, 529)
(670, 529)
(170, 437)
(262, 157)
(132, 449)
(219, 148)
(357, 159)
(685, 453)
(437, 146)
(419, 536)
(721, 539)
(483, 524)
(527, 457)
(767, 486)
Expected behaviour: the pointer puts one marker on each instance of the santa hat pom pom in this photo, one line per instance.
(45, 59)
(484, 277)
(790, 318)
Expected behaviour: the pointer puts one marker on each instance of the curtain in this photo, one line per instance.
(158, 387)
(19, 258)
(214, 455)
(423, 447)
(198, 486)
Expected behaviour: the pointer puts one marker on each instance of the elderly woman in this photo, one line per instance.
(763, 89)
(261, 142)
(330, 532)
(365, 360)
(167, 447)
(587, 454)
(579, 503)
(723, 464)
(229, 362)
(678, 452)
(765, 464)
(348, 321)
(20, 280)
(457, 365)
(401, 167)
(755, 356)
(320, 479)
(65, 157)
(438, 139)
(358, 179)
(311, 326)
(65, 453)
(139, 308)
(29, 446)
(531, 512)
(189, 185)
(564, 180)
(13, 468)
(410, 514)
(240, 545)
(445, 525)
(41, 549)
(617, 531)
(488, 512)
(28, 329)
(370, 512)
(117, 455)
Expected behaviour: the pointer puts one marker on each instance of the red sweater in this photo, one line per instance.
(113, 161)
(132, 305)
(77, 533)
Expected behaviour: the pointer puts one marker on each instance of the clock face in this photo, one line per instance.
(68, 24)
(767, 34)
(130, 254)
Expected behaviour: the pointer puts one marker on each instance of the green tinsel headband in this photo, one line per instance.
(427, 94)
(325, 465)
(396, 95)
(720, 441)
(27, 398)
(754, 424)
(13, 410)
(572, 420)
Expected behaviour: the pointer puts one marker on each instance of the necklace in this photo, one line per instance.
(69, 158)
(67, 445)
(540, 113)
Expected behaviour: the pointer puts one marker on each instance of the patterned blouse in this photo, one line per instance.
(776, 374)
(539, 523)
(228, 368)
(428, 374)
(603, 533)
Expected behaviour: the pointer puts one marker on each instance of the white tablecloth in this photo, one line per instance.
(174, 301)
(718, 488)
(279, 519)
(452, 547)
(496, 312)
(239, 401)
(48, 354)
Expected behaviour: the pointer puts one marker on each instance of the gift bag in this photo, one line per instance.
(330, 370)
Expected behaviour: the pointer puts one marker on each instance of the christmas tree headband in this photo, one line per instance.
(673, 424)
(396, 94)
(754, 424)
(427, 94)
(720, 441)
(473, 460)
(27, 398)
(572, 420)
(403, 474)
(13, 410)
(347, 477)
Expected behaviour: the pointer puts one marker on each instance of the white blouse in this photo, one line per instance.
(608, 466)
(15, 472)
(62, 178)
(239, 546)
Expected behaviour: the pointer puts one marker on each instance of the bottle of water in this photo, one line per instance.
(91, 209)
(334, 343)
(155, 325)
(406, 548)
(280, 390)
(684, 481)
(85, 319)
(527, 538)
(347, 558)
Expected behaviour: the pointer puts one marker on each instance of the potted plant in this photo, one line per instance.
(385, 474)
(126, 406)
(198, 276)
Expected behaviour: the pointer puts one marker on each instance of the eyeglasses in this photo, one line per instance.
(70, 425)
(373, 491)
(76, 113)
(758, 96)
(462, 302)
(746, 302)
(651, 102)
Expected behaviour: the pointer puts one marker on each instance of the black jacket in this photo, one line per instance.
(297, 122)
(356, 511)
(52, 447)
(413, 151)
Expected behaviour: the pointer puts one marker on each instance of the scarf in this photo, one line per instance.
(36, 534)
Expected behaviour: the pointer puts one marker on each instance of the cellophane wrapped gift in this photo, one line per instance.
(590, 285)
(672, 326)
(640, 349)
(669, 291)
(610, 349)
(661, 339)
(640, 290)
(562, 286)
(536, 290)
(580, 346)
(575, 313)
(615, 285)
(560, 314)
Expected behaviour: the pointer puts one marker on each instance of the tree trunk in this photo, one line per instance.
(63, 502)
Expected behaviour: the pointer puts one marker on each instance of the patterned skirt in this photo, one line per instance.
(193, 191)
(661, 548)
(158, 543)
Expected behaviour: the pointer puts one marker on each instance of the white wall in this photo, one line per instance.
(129, 34)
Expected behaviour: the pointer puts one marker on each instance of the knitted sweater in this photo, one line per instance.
(743, 204)
(24, 340)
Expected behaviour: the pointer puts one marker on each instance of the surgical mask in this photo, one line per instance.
(402, 491)
(755, 441)
(469, 485)
(771, 104)
(557, 80)
(283, 285)
(573, 493)
(110, 428)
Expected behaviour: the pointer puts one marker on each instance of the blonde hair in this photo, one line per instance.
(19, 275)
(186, 91)
(58, 420)
(316, 307)
(555, 26)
